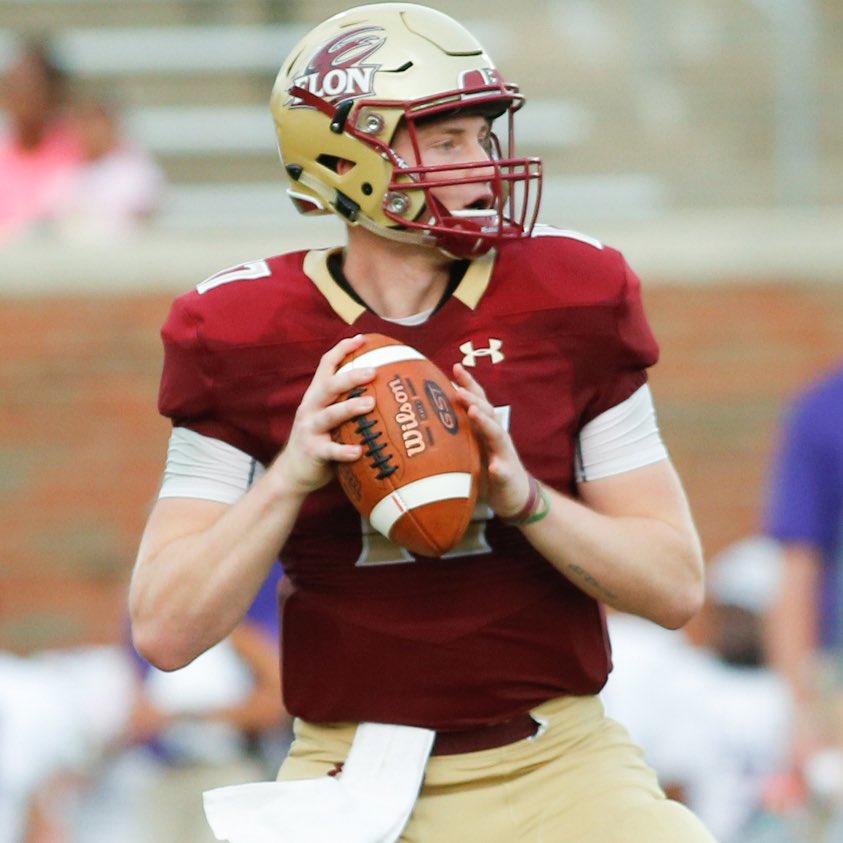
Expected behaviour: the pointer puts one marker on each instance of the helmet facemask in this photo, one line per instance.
(514, 184)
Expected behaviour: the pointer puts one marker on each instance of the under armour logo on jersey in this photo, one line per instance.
(471, 353)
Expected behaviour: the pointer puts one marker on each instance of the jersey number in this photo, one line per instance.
(248, 271)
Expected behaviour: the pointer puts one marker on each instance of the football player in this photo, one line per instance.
(393, 117)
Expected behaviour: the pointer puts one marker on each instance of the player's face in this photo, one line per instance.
(452, 142)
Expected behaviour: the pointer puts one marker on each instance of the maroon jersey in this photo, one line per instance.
(553, 328)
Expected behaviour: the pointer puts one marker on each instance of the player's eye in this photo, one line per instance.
(445, 144)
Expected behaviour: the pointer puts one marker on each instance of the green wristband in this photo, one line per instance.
(542, 510)
(536, 508)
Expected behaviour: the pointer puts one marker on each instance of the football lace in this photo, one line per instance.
(374, 449)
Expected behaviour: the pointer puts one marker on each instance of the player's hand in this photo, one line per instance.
(307, 459)
(508, 480)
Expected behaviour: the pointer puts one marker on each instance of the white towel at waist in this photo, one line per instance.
(370, 802)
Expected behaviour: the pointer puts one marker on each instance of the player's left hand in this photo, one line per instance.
(508, 480)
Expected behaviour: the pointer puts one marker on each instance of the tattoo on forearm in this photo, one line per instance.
(581, 574)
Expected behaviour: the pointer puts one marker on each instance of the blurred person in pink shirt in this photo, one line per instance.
(119, 186)
(39, 149)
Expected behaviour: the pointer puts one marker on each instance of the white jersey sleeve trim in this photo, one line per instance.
(623, 438)
(203, 467)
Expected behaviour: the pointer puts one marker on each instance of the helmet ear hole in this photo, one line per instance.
(335, 163)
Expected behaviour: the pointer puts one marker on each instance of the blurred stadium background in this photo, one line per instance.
(702, 137)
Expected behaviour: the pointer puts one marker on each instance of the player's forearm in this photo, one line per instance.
(640, 565)
(191, 588)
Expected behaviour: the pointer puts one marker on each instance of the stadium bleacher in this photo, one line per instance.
(637, 108)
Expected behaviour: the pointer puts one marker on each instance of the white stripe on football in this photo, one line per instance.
(381, 357)
(438, 487)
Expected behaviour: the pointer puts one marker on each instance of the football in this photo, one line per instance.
(417, 480)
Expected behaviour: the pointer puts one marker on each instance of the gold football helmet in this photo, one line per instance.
(347, 87)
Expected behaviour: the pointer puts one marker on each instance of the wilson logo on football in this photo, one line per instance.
(337, 71)
(442, 406)
(406, 418)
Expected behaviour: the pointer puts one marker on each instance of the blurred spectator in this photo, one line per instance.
(731, 738)
(61, 712)
(216, 722)
(805, 633)
(749, 706)
(39, 149)
(119, 185)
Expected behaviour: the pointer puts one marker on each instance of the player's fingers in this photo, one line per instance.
(337, 388)
(341, 452)
(328, 384)
(331, 359)
(471, 391)
(335, 414)
(348, 380)
(478, 401)
(466, 380)
(487, 425)
(498, 444)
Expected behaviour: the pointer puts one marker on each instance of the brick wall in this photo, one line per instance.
(81, 445)
(80, 452)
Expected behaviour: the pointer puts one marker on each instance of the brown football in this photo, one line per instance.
(417, 480)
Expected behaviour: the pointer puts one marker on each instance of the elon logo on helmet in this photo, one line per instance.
(337, 71)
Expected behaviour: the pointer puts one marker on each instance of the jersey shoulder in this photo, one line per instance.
(237, 350)
(236, 303)
(567, 266)
(583, 297)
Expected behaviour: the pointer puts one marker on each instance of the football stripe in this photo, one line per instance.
(437, 487)
(382, 356)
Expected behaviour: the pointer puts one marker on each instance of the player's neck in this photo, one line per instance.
(395, 280)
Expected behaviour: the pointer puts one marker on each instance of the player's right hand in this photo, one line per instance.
(508, 483)
(310, 451)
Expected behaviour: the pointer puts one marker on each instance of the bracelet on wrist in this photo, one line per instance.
(536, 507)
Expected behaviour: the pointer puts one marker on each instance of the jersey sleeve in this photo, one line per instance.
(189, 391)
(185, 390)
(618, 358)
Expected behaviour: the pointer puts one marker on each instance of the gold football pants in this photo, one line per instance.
(581, 780)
